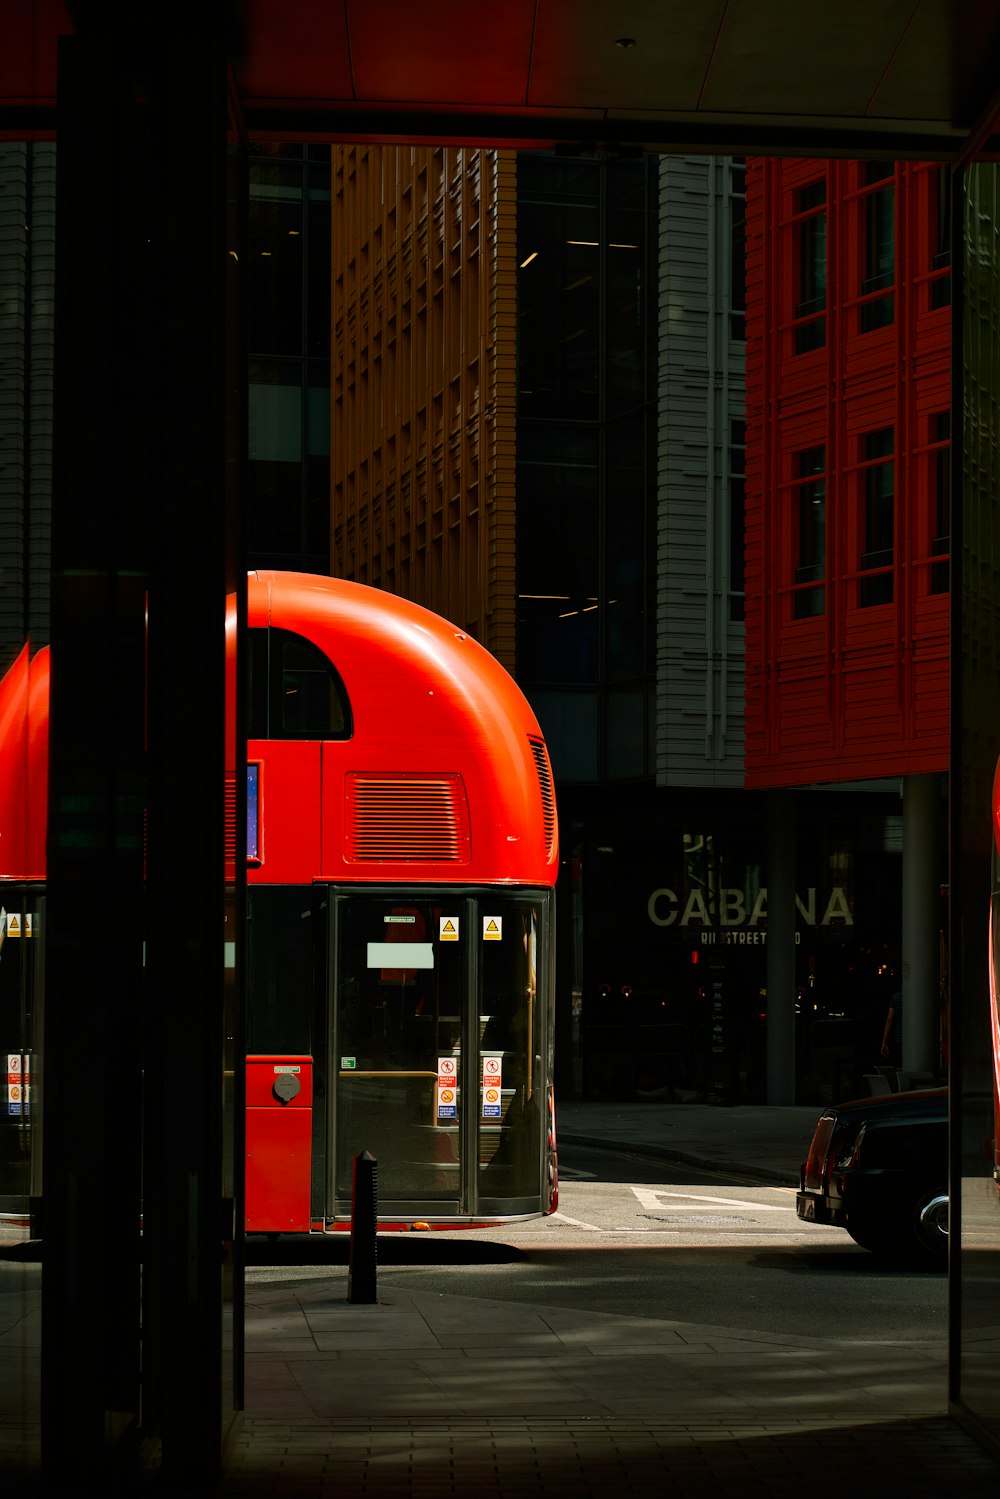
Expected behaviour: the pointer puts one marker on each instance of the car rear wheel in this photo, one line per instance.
(931, 1226)
(923, 1238)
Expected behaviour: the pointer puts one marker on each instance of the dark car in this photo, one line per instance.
(878, 1167)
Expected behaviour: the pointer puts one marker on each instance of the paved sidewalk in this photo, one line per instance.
(429, 1393)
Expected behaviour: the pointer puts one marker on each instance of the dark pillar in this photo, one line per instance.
(188, 1392)
(780, 947)
(921, 928)
(974, 1280)
(143, 549)
(91, 1080)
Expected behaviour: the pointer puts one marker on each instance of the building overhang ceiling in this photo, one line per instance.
(914, 78)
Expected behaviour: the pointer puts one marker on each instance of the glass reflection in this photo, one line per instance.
(27, 349)
(975, 1330)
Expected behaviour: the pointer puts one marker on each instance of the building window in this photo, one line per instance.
(293, 691)
(809, 531)
(737, 249)
(939, 500)
(877, 518)
(878, 216)
(939, 229)
(288, 332)
(585, 448)
(558, 624)
(810, 268)
(559, 294)
(737, 518)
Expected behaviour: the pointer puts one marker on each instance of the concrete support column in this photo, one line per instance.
(921, 935)
(781, 947)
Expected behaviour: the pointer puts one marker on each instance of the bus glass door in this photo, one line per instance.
(399, 999)
(515, 1051)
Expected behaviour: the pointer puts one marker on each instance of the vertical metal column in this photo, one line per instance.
(780, 947)
(921, 938)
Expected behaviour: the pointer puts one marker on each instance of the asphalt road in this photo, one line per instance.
(640, 1237)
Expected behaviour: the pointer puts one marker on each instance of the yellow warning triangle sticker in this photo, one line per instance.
(13, 925)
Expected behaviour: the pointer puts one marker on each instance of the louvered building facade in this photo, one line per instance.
(701, 450)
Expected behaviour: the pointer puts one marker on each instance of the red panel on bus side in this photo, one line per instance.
(288, 832)
(278, 1144)
(24, 739)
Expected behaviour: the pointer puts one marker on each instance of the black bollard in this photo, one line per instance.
(364, 1212)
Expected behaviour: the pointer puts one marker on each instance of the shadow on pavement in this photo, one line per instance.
(391, 1249)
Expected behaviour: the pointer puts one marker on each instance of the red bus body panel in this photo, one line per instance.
(24, 766)
(278, 1145)
(426, 699)
(428, 703)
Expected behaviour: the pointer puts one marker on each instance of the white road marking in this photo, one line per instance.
(565, 1218)
(650, 1198)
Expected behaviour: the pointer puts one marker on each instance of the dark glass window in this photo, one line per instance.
(557, 553)
(625, 732)
(275, 274)
(939, 227)
(558, 289)
(737, 518)
(585, 449)
(293, 690)
(318, 278)
(878, 517)
(274, 510)
(625, 551)
(737, 249)
(810, 269)
(939, 507)
(625, 284)
(879, 268)
(569, 721)
(809, 522)
(288, 503)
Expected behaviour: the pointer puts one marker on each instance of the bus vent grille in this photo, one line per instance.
(229, 815)
(547, 789)
(408, 819)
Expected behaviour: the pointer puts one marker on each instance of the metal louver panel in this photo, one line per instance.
(546, 788)
(229, 818)
(406, 819)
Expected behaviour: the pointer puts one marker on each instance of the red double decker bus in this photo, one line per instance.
(401, 863)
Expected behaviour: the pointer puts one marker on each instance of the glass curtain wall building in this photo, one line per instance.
(288, 317)
(586, 405)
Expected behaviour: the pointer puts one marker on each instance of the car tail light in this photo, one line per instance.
(848, 1150)
(814, 1176)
